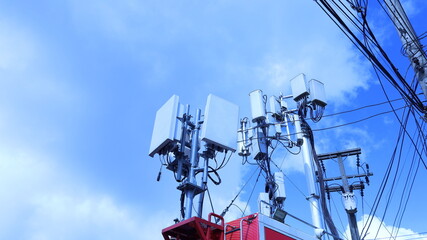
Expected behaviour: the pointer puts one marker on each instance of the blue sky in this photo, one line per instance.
(81, 81)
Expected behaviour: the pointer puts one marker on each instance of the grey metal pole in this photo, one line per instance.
(194, 162)
(313, 197)
(204, 183)
(182, 142)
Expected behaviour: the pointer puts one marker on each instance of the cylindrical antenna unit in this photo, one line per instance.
(283, 104)
(242, 139)
(299, 87)
(257, 106)
(317, 92)
(274, 106)
(279, 194)
(276, 115)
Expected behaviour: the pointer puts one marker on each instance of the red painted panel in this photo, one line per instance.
(273, 235)
(250, 228)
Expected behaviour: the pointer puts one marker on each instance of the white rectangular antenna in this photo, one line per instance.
(257, 105)
(166, 126)
(260, 149)
(280, 193)
(317, 92)
(220, 123)
(299, 87)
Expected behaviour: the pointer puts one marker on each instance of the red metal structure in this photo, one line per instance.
(252, 227)
(196, 228)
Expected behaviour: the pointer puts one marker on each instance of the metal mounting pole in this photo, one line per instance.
(183, 140)
(190, 192)
(313, 197)
(209, 153)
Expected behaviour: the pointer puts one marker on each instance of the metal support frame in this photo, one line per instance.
(190, 188)
(208, 154)
(180, 158)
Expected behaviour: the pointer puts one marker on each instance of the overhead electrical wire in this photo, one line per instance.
(363, 107)
(371, 49)
(357, 121)
(349, 123)
(402, 86)
(403, 132)
(250, 195)
(238, 193)
(413, 171)
(383, 185)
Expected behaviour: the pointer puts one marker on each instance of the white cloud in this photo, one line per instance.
(41, 201)
(281, 49)
(23, 63)
(384, 231)
(235, 210)
(413, 7)
(30, 86)
(17, 50)
(327, 57)
(290, 162)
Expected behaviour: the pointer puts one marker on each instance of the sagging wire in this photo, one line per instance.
(240, 191)
(404, 89)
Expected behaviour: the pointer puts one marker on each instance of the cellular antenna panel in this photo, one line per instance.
(220, 123)
(166, 126)
(317, 92)
(299, 87)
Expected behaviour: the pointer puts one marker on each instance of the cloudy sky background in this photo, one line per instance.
(81, 81)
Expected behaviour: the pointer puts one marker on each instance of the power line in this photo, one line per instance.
(357, 121)
(360, 108)
(406, 235)
(241, 189)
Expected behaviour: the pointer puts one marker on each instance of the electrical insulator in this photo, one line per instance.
(323, 166)
(358, 161)
(328, 194)
(362, 190)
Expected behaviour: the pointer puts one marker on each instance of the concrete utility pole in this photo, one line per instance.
(348, 195)
(411, 44)
(313, 197)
